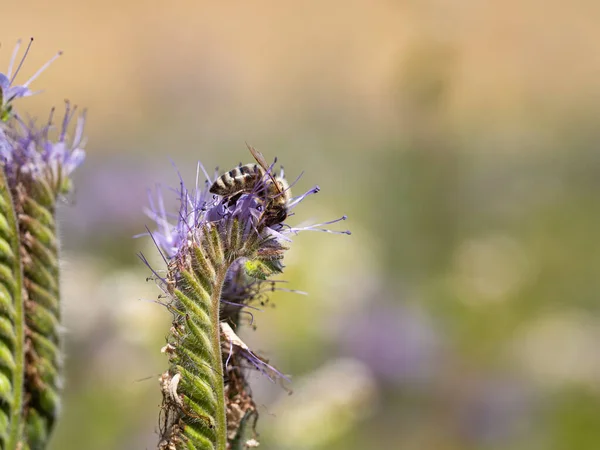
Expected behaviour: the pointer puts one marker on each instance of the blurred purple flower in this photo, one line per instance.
(398, 343)
(494, 411)
(108, 203)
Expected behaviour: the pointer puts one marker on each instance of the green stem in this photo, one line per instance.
(16, 426)
(42, 312)
(221, 420)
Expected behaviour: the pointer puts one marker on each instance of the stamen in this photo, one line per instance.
(78, 139)
(44, 67)
(298, 199)
(51, 116)
(12, 59)
(14, 55)
(45, 130)
(66, 119)
(161, 212)
(196, 191)
(157, 246)
(344, 217)
(147, 263)
(204, 172)
(251, 316)
(241, 305)
(295, 181)
(315, 226)
(292, 291)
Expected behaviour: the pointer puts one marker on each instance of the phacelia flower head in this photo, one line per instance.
(32, 152)
(43, 153)
(228, 237)
(249, 204)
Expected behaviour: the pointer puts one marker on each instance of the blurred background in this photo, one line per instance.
(461, 138)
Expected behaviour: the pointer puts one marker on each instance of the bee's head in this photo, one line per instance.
(275, 214)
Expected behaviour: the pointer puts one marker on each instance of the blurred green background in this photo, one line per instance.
(461, 139)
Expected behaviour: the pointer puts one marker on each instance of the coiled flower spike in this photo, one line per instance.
(219, 252)
(36, 163)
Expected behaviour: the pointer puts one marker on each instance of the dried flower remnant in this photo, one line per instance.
(219, 251)
(37, 162)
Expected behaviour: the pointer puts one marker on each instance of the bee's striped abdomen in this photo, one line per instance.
(237, 179)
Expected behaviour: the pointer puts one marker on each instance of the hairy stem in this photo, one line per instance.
(39, 248)
(221, 422)
(16, 287)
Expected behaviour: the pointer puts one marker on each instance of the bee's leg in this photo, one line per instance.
(233, 199)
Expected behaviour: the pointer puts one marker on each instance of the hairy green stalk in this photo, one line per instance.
(229, 237)
(12, 356)
(220, 417)
(36, 211)
(35, 269)
(193, 392)
(194, 400)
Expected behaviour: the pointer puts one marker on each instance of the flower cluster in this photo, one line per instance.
(39, 151)
(219, 251)
(245, 281)
(198, 206)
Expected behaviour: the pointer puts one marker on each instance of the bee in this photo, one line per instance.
(245, 179)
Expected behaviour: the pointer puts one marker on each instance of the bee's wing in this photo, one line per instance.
(260, 159)
(258, 156)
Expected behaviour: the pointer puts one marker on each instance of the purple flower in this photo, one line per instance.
(198, 206)
(9, 91)
(26, 148)
(495, 411)
(64, 155)
(399, 343)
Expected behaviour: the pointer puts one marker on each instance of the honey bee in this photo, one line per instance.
(245, 179)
